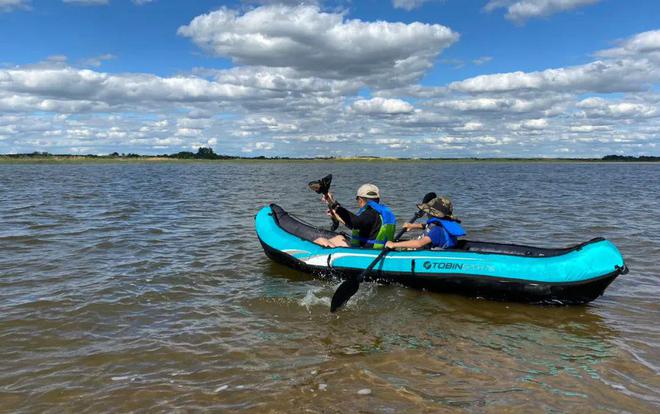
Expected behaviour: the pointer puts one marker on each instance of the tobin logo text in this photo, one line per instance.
(428, 265)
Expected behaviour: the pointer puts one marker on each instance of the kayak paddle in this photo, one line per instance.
(350, 286)
(322, 186)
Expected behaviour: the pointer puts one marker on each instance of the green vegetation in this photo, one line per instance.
(629, 158)
(204, 153)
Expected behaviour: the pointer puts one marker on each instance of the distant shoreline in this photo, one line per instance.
(212, 157)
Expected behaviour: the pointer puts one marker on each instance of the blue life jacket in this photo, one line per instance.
(387, 227)
(451, 231)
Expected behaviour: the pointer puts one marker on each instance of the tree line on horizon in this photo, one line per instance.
(207, 153)
(202, 153)
(630, 158)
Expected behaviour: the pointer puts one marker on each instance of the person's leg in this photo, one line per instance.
(323, 242)
(337, 241)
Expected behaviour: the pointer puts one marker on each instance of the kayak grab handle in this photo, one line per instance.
(622, 269)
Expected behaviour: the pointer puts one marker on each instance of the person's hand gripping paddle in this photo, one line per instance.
(351, 285)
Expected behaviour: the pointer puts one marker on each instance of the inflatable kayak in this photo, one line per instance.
(572, 275)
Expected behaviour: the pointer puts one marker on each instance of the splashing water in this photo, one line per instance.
(314, 297)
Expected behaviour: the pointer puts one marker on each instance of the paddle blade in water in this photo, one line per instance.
(344, 293)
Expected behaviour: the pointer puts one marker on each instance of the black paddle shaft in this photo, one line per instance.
(386, 249)
(414, 218)
(350, 286)
(428, 197)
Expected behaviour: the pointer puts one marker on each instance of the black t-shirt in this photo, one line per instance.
(368, 223)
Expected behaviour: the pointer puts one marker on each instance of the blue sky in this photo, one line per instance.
(445, 78)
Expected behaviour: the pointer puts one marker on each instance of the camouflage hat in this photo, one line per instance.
(439, 207)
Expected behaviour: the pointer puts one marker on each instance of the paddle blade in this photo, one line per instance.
(428, 197)
(321, 186)
(344, 293)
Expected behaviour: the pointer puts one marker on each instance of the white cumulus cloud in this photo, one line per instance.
(9, 5)
(470, 126)
(520, 11)
(600, 76)
(87, 2)
(382, 106)
(326, 44)
(482, 60)
(641, 44)
(603, 108)
(408, 4)
(535, 124)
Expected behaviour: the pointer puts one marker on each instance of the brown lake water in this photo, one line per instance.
(142, 287)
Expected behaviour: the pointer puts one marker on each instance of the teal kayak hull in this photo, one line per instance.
(571, 275)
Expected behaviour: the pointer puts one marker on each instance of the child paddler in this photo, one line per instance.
(373, 225)
(441, 230)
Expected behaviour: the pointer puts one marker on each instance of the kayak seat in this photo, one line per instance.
(298, 228)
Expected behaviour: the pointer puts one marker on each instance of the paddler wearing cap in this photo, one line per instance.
(372, 226)
(441, 230)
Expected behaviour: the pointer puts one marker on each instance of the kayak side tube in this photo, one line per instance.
(578, 274)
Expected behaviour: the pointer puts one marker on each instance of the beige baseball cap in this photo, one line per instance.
(368, 191)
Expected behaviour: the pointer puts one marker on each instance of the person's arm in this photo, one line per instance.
(413, 226)
(410, 244)
(350, 220)
(333, 205)
(334, 214)
(366, 220)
